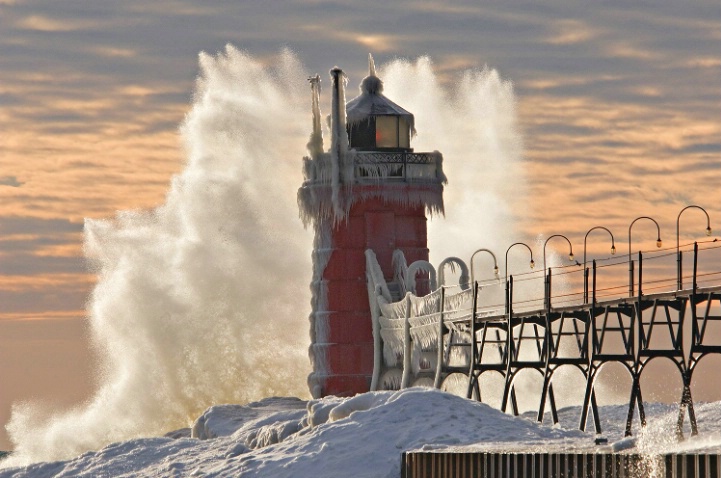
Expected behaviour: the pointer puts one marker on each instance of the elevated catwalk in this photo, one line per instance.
(465, 338)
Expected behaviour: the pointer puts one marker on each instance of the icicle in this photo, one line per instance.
(374, 272)
(314, 201)
(400, 270)
(407, 342)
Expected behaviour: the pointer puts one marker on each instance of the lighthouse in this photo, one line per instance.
(369, 191)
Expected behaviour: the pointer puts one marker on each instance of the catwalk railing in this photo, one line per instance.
(622, 311)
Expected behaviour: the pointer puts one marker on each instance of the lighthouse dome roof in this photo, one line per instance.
(372, 102)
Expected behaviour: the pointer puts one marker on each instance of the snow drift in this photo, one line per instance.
(364, 436)
(361, 436)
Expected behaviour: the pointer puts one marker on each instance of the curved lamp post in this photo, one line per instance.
(547, 288)
(679, 275)
(532, 264)
(630, 262)
(570, 253)
(585, 276)
(495, 264)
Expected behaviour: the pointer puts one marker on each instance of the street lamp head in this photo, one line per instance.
(708, 231)
(570, 256)
(613, 249)
(495, 271)
(658, 242)
(533, 264)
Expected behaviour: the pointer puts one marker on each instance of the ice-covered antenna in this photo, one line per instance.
(315, 81)
(371, 66)
(315, 145)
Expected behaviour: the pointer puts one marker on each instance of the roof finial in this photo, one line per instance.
(371, 66)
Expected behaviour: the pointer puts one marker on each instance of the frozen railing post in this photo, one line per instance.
(407, 345)
(439, 360)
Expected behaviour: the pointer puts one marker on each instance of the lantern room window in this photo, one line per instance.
(381, 133)
(362, 136)
(404, 133)
(392, 132)
(387, 132)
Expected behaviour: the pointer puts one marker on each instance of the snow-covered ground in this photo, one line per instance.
(361, 436)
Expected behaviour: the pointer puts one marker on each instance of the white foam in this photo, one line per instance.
(199, 301)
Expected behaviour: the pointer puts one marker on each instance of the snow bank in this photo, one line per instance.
(257, 424)
(361, 436)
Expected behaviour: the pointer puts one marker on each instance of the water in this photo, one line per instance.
(204, 299)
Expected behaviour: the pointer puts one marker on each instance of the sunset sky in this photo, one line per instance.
(619, 106)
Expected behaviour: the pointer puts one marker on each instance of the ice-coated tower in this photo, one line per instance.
(369, 191)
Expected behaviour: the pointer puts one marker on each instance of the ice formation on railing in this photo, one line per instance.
(406, 331)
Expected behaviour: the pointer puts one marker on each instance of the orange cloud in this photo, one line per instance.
(45, 24)
(569, 32)
(626, 50)
(704, 62)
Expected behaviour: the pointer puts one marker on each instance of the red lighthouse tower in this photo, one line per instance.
(369, 191)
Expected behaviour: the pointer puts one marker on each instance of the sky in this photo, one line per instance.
(619, 106)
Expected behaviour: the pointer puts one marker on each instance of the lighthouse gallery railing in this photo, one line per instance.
(387, 165)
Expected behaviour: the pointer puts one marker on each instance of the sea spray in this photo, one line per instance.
(474, 124)
(199, 301)
(202, 300)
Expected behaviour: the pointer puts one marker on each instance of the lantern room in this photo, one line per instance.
(375, 123)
